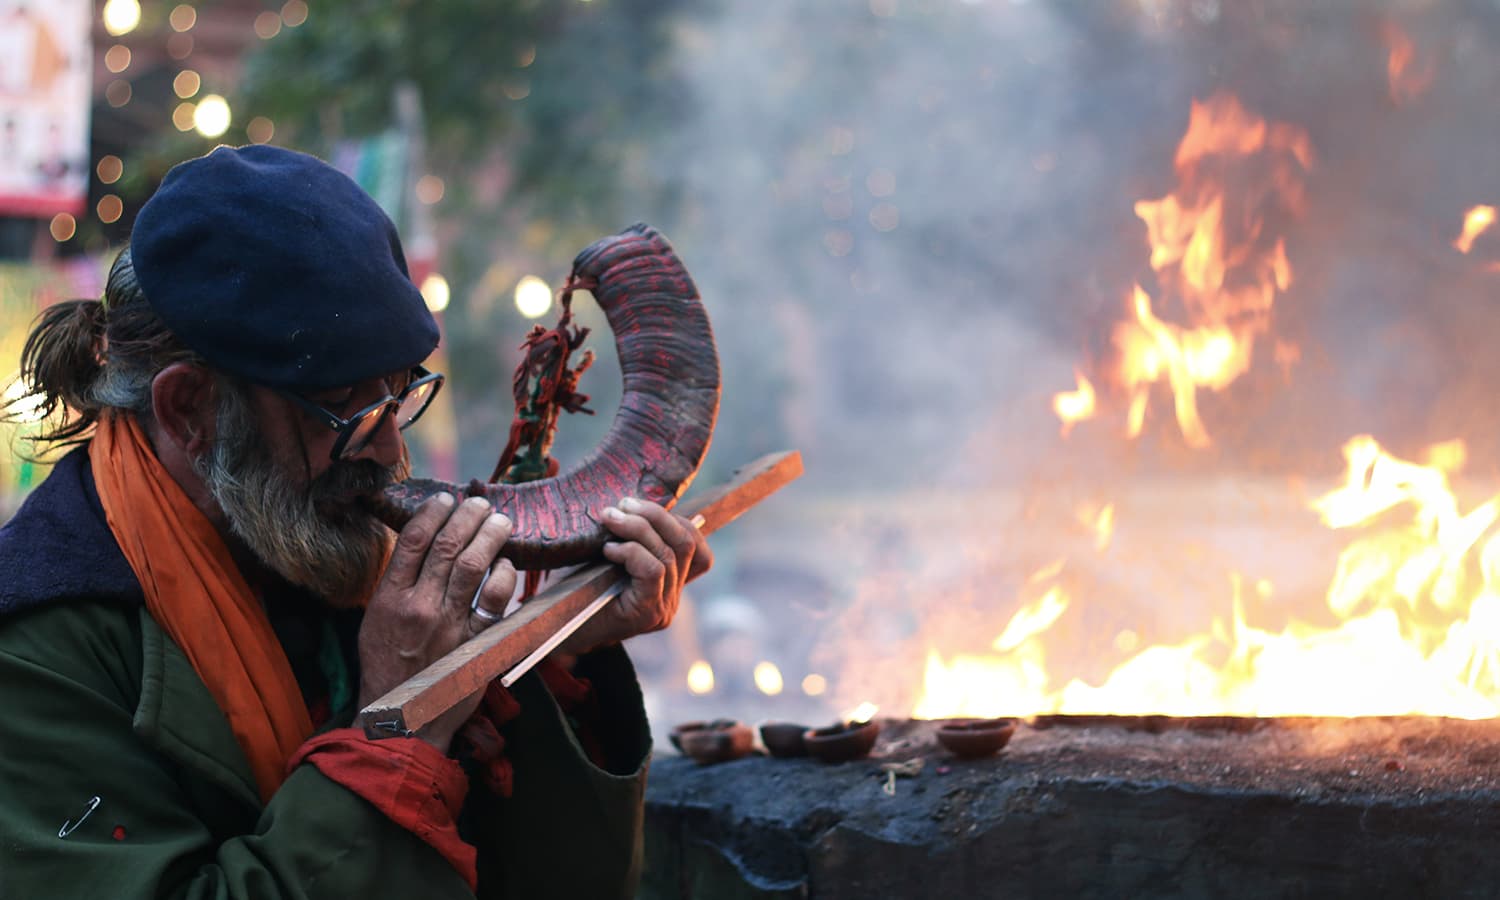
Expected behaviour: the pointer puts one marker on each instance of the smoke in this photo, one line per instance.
(912, 219)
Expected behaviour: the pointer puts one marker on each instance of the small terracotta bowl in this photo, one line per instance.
(784, 739)
(975, 738)
(676, 736)
(841, 743)
(715, 745)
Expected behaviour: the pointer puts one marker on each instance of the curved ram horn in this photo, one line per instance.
(660, 434)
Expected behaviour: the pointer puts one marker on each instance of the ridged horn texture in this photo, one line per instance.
(660, 434)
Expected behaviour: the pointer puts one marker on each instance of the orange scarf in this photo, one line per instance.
(196, 593)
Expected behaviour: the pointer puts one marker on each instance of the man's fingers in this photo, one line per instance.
(703, 555)
(450, 541)
(412, 543)
(494, 594)
(474, 562)
(648, 576)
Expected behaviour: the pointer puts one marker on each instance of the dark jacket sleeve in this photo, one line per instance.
(70, 682)
(571, 829)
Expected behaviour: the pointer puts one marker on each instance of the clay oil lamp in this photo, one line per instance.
(975, 738)
(686, 727)
(784, 739)
(843, 742)
(719, 741)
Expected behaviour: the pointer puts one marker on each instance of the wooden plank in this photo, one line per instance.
(470, 666)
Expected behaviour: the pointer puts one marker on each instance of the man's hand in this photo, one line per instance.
(421, 608)
(660, 552)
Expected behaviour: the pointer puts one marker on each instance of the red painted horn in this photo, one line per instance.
(660, 433)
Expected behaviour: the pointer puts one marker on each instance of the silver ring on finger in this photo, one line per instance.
(483, 614)
(479, 612)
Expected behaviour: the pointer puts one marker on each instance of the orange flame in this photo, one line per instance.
(1476, 221)
(1214, 261)
(1406, 77)
(1416, 605)
(1410, 622)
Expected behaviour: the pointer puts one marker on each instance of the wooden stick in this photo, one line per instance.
(473, 664)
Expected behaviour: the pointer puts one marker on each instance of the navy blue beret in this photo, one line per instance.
(276, 267)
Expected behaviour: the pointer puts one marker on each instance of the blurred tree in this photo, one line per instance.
(534, 112)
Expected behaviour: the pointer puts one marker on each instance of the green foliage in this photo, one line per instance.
(564, 89)
(549, 99)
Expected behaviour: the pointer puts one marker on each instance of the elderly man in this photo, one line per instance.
(195, 602)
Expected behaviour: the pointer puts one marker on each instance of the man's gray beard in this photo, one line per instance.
(316, 537)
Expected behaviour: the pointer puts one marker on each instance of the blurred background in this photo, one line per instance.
(913, 222)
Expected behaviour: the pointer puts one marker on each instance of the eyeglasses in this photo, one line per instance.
(407, 404)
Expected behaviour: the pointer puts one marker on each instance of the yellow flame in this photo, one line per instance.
(1104, 527)
(1415, 624)
(1476, 221)
(864, 712)
(700, 677)
(768, 678)
(1217, 266)
(1032, 620)
(1074, 406)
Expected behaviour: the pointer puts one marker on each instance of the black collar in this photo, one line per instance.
(58, 544)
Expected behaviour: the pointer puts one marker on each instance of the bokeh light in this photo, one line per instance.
(260, 130)
(267, 25)
(183, 17)
(109, 169)
(117, 92)
(533, 297)
(885, 217)
(180, 46)
(182, 116)
(121, 16)
(435, 292)
(117, 58)
(212, 116)
(768, 678)
(700, 677)
(430, 189)
(186, 84)
(814, 685)
(294, 13)
(63, 226)
(109, 208)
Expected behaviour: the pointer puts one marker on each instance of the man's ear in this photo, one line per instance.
(184, 405)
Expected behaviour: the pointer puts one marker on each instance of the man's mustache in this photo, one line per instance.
(350, 481)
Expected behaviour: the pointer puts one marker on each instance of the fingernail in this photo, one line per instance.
(476, 502)
(630, 505)
(698, 521)
(614, 515)
(499, 520)
(444, 499)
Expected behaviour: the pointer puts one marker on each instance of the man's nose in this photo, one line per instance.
(386, 445)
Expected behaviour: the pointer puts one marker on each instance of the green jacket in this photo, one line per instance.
(98, 702)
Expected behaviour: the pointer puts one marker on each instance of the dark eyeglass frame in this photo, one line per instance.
(388, 406)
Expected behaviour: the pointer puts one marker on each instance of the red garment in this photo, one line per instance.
(416, 787)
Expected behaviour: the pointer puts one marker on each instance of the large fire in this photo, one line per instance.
(1215, 260)
(1414, 599)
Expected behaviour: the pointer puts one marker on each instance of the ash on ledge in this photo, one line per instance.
(1095, 807)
